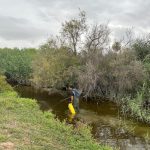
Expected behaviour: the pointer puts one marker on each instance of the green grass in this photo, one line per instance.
(134, 108)
(23, 126)
(137, 112)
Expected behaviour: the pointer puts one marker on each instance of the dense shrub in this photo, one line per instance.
(142, 48)
(16, 63)
(113, 75)
(54, 67)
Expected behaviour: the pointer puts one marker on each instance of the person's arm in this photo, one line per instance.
(71, 98)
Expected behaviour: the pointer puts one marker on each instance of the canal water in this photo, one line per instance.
(108, 126)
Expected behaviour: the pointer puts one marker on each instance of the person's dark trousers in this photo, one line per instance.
(76, 105)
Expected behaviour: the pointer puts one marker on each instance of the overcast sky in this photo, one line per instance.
(28, 23)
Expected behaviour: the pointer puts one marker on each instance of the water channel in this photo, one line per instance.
(108, 126)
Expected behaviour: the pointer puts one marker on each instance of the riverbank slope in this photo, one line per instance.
(24, 126)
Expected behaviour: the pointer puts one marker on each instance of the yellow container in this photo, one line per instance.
(71, 108)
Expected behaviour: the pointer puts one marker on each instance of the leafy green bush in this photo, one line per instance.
(136, 107)
(16, 63)
(142, 48)
(54, 66)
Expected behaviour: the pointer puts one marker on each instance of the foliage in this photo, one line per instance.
(54, 67)
(142, 48)
(16, 63)
(112, 75)
(146, 63)
(99, 70)
(137, 107)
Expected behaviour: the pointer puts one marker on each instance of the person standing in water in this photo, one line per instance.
(75, 95)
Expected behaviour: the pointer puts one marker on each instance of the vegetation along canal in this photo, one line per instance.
(108, 126)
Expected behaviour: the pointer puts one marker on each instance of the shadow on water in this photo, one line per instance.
(107, 126)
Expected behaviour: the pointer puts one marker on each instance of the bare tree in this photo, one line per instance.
(73, 29)
(96, 41)
(97, 38)
(128, 38)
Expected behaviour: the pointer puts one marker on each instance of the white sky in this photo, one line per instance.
(28, 23)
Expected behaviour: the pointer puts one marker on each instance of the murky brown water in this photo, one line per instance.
(108, 126)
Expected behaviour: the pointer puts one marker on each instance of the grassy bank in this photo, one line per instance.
(24, 126)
